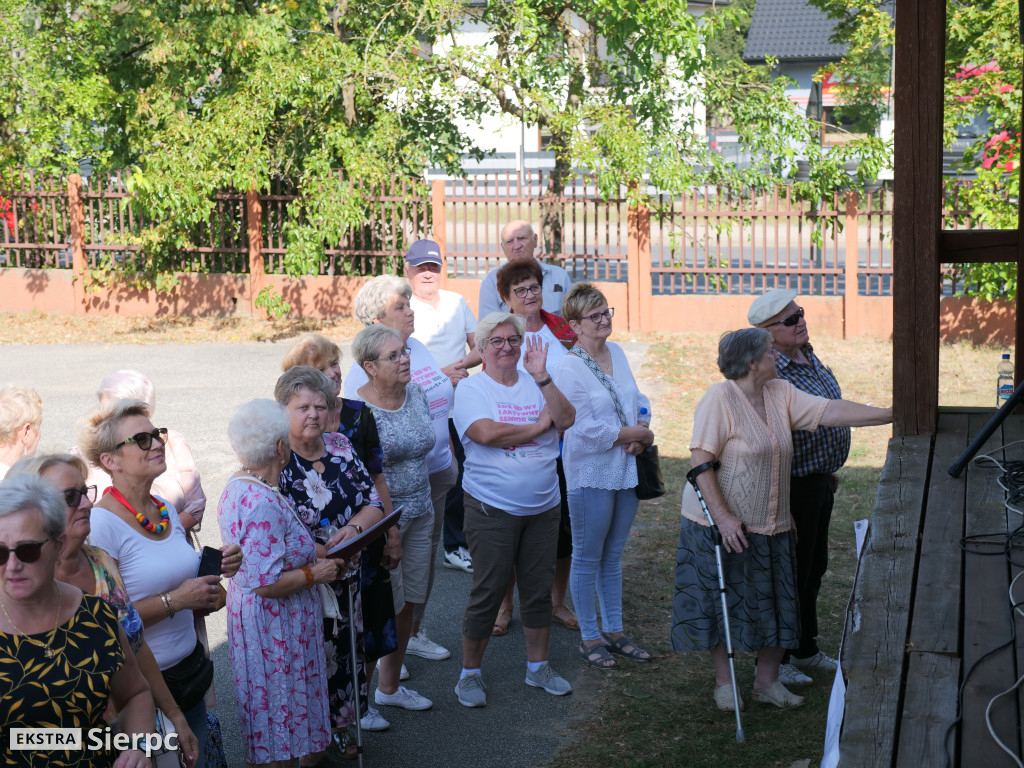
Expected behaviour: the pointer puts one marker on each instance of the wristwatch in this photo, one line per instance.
(357, 526)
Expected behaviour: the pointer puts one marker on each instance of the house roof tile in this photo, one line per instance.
(791, 30)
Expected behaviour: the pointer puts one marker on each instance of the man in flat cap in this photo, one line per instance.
(817, 456)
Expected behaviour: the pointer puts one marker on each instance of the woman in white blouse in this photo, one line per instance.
(612, 427)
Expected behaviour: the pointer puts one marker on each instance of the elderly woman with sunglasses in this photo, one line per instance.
(384, 300)
(64, 654)
(94, 572)
(509, 424)
(146, 539)
(520, 285)
(612, 420)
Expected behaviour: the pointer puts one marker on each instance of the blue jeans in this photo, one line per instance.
(196, 718)
(601, 520)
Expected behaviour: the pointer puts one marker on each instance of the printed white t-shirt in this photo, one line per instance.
(443, 330)
(436, 386)
(519, 479)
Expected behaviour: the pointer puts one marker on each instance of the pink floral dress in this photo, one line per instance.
(275, 644)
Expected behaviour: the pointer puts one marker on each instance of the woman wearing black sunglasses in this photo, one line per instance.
(145, 537)
(94, 572)
(64, 655)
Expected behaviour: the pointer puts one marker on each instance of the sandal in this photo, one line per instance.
(501, 627)
(567, 619)
(598, 656)
(626, 647)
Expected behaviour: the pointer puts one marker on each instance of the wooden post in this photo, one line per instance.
(638, 268)
(851, 301)
(917, 214)
(254, 227)
(437, 216)
(76, 209)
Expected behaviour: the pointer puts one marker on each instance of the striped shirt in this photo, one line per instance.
(826, 449)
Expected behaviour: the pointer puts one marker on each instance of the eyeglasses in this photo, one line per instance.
(499, 341)
(145, 439)
(394, 357)
(521, 292)
(28, 552)
(790, 321)
(596, 317)
(73, 496)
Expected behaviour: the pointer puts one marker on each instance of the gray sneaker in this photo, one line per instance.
(549, 680)
(790, 675)
(471, 691)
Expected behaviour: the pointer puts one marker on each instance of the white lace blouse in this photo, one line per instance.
(589, 456)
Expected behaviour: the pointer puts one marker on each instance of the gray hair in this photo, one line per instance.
(98, 433)
(370, 341)
(25, 492)
(738, 349)
(487, 325)
(36, 465)
(301, 377)
(374, 297)
(18, 406)
(255, 430)
(127, 384)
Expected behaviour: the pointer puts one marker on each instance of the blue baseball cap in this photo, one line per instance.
(423, 252)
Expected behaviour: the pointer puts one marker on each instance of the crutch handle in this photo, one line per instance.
(692, 475)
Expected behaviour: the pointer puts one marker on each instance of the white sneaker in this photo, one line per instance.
(373, 720)
(422, 646)
(819, 661)
(403, 698)
(790, 675)
(458, 560)
(402, 676)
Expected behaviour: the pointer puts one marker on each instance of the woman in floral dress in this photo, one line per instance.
(274, 615)
(326, 481)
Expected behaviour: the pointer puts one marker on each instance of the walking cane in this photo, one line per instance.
(691, 476)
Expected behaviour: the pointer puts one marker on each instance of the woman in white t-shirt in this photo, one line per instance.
(509, 424)
(385, 300)
(146, 539)
(520, 286)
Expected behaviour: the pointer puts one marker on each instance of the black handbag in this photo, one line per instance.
(190, 678)
(650, 483)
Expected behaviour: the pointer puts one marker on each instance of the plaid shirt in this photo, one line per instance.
(825, 450)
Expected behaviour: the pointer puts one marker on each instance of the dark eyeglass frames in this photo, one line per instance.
(27, 552)
(73, 496)
(790, 321)
(499, 341)
(145, 439)
(535, 289)
(596, 317)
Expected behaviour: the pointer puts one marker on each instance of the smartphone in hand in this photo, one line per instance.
(209, 562)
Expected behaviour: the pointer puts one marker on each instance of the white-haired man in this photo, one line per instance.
(519, 242)
(817, 456)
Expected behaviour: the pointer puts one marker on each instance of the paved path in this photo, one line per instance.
(198, 386)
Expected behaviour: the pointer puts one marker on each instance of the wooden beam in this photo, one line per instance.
(979, 246)
(917, 213)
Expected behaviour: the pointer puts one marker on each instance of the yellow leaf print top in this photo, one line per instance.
(70, 690)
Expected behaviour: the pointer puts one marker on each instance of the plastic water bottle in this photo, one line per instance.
(1004, 382)
(644, 415)
(327, 529)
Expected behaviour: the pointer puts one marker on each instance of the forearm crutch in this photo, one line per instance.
(350, 581)
(716, 535)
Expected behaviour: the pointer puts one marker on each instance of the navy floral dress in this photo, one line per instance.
(334, 487)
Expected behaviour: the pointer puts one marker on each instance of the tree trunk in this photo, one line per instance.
(552, 209)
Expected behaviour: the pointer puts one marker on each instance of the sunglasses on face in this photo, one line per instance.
(790, 321)
(145, 439)
(28, 552)
(73, 496)
(499, 341)
(535, 289)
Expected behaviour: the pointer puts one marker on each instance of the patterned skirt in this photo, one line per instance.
(760, 589)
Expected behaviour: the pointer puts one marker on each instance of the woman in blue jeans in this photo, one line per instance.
(599, 450)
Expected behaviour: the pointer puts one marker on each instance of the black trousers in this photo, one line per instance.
(810, 502)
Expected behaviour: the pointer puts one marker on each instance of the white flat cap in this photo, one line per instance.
(770, 304)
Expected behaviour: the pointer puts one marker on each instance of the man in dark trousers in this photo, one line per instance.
(817, 456)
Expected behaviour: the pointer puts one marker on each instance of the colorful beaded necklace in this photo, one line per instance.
(165, 517)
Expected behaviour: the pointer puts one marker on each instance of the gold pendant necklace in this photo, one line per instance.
(50, 653)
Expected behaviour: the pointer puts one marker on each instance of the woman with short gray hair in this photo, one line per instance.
(21, 417)
(384, 300)
(742, 447)
(275, 621)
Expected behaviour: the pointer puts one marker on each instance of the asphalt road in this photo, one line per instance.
(198, 386)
